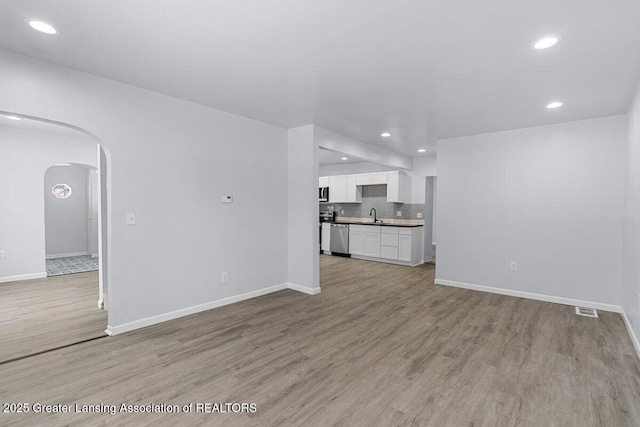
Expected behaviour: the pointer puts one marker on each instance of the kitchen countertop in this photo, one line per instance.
(380, 224)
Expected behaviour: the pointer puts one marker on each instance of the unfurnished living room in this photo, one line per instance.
(319, 213)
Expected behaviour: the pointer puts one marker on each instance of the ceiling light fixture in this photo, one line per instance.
(41, 26)
(344, 158)
(12, 118)
(553, 105)
(385, 134)
(422, 150)
(546, 42)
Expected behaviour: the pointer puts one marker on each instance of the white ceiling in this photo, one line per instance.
(421, 69)
(328, 157)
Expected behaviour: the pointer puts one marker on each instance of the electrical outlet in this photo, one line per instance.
(131, 218)
(419, 214)
(225, 277)
(342, 212)
(1, 254)
(514, 266)
(399, 213)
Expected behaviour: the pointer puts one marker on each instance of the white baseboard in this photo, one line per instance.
(530, 295)
(632, 333)
(304, 289)
(67, 255)
(21, 277)
(148, 321)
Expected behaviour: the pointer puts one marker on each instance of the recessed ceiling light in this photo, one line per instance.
(422, 150)
(344, 158)
(385, 134)
(41, 26)
(553, 105)
(12, 118)
(546, 42)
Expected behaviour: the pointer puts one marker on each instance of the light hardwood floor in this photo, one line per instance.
(37, 315)
(381, 345)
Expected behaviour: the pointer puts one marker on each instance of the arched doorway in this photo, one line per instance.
(30, 146)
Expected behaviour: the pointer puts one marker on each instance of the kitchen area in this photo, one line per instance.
(373, 216)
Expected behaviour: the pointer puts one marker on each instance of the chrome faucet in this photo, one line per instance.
(374, 214)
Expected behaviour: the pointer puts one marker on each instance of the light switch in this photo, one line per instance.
(419, 214)
(131, 218)
(226, 199)
(1, 254)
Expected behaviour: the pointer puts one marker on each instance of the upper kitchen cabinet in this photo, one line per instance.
(343, 189)
(397, 187)
(354, 193)
(337, 188)
(375, 178)
(348, 188)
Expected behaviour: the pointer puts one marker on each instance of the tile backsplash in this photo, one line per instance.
(375, 196)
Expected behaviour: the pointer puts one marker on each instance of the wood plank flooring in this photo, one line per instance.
(380, 346)
(41, 314)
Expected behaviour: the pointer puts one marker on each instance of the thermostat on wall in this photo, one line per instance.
(227, 199)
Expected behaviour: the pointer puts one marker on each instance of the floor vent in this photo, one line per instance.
(589, 312)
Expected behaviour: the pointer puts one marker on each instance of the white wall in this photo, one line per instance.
(425, 166)
(631, 256)
(95, 204)
(303, 210)
(170, 163)
(66, 219)
(25, 156)
(550, 198)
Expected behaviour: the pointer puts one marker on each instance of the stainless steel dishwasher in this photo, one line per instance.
(340, 239)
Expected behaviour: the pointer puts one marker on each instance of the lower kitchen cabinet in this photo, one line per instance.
(404, 248)
(364, 240)
(389, 252)
(356, 242)
(372, 244)
(326, 238)
(400, 245)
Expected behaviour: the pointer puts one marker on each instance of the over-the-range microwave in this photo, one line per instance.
(324, 194)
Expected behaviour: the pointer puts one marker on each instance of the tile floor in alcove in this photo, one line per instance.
(70, 265)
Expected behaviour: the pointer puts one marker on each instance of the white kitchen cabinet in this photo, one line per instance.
(326, 237)
(323, 181)
(363, 179)
(373, 178)
(364, 240)
(354, 193)
(343, 189)
(337, 188)
(378, 178)
(387, 239)
(404, 247)
(372, 244)
(356, 242)
(397, 187)
(389, 252)
(389, 243)
(398, 245)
